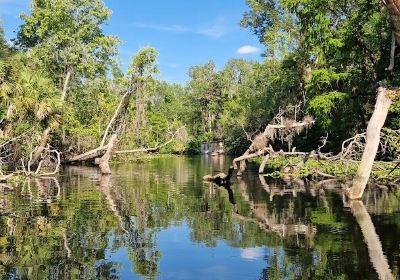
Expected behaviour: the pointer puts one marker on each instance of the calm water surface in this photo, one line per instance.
(158, 220)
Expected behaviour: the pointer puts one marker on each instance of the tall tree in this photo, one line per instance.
(68, 38)
(3, 45)
(141, 71)
(385, 98)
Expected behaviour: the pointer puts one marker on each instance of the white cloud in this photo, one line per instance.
(215, 30)
(173, 65)
(247, 49)
(251, 253)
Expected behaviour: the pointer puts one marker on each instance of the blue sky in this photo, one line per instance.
(185, 32)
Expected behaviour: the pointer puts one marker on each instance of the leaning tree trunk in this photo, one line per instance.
(375, 125)
(121, 107)
(46, 134)
(66, 84)
(39, 150)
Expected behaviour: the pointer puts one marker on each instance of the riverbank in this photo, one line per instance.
(383, 172)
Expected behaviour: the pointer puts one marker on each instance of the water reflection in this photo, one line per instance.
(159, 220)
(376, 255)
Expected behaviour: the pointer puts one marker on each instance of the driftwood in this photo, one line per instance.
(221, 179)
(47, 154)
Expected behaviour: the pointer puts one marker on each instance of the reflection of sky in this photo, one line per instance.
(251, 253)
(181, 258)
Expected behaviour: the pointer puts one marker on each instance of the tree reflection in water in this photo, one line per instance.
(69, 228)
(376, 255)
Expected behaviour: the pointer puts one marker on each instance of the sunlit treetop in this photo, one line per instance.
(67, 35)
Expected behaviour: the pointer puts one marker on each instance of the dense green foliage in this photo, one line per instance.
(322, 58)
(341, 51)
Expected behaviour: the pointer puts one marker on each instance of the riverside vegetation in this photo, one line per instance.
(64, 97)
(309, 126)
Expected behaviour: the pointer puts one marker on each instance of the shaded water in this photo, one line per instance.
(159, 220)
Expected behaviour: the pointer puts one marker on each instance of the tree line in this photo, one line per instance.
(61, 84)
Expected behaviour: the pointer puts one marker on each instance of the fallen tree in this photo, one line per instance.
(285, 130)
(101, 155)
(353, 150)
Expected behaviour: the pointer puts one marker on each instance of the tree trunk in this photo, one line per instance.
(140, 118)
(262, 165)
(392, 53)
(393, 7)
(66, 84)
(103, 161)
(372, 143)
(41, 147)
(90, 155)
(47, 132)
(376, 255)
(121, 106)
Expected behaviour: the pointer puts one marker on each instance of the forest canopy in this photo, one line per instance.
(61, 83)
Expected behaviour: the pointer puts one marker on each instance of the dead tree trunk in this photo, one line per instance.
(271, 132)
(47, 133)
(392, 53)
(103, 161)
(41, 147)
(373, 136)
(262, 165)
(121, 107)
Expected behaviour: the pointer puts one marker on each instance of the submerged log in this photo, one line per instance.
(221, 179)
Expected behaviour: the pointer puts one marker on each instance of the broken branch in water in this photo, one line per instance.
(46, 158)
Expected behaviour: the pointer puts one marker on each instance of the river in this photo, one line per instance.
(158, 220)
